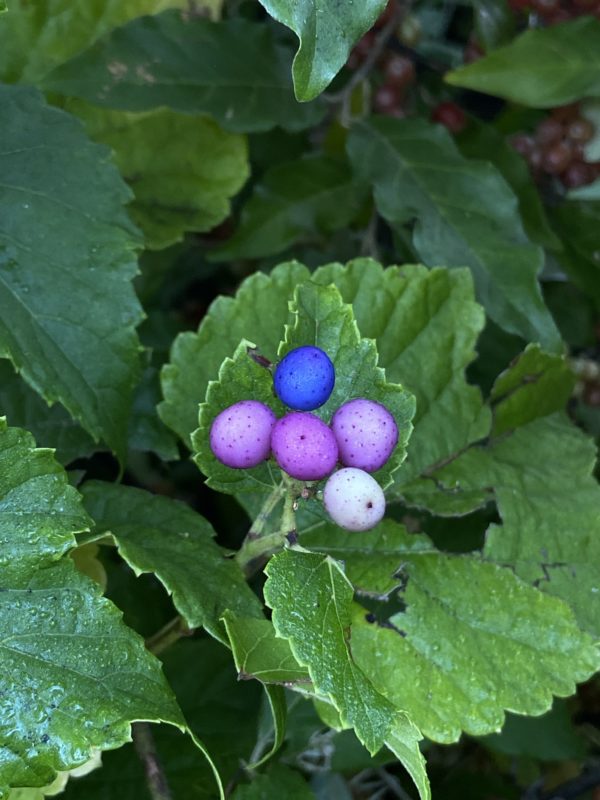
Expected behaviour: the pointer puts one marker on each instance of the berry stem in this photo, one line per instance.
(258, 546)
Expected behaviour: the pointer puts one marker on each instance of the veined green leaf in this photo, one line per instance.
(38, 36)
(163, 536)
(190, 70)
(73, 676)
(472, 641)
(327, 31)
(182, 170)
(464, 214)
(79, 252)
(296, 200)
(543, 67)
(258, 312)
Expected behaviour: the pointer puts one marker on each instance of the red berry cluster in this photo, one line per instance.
(557, 147)
(551, 12)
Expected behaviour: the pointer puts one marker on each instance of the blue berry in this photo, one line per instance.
(304, 379)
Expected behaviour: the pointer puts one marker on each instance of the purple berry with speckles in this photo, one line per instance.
(366, 434)
(304, 446)
(354, 500)
(240, 436)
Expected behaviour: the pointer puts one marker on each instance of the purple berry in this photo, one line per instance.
(304, 446)
(354, 500)
(240, 436)
(366, 434)
(304, 379)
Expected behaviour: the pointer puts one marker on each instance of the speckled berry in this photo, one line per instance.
(366, 434)
(240, 436)
(304, 378)
(304, 446)
(354, 500)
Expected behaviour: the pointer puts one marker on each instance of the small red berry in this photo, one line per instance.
(578, 173)
(522, 143)
(450, 115)
(580, 130)
(549, 130)
(399, 71)
(557, 158)
(387, 99)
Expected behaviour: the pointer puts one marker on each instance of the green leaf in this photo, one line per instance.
(34, 38)
(482, 141)
(543, 67)
(79, 252)
(322, 319)
(311, 600)
(219, 708)
(160, 535)
(258, 312)
(425, 324)
(239, 378)
(577, 225)
(182, 170)
(298, 200)
(472, 641)
(258, 653)
(280, 781)
(73, 676)
(51, 426)
(535, 385)
(465, 215)
(541, 477)
(190, 70)
(327, 31)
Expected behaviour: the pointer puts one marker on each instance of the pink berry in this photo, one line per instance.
(366, 434)
(240, 436)
(354, 500)
(304, 446)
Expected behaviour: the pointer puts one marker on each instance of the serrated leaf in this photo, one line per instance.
(279, 781)
(62, 249)
(51, 425)
(324, 320)
(465, 214)
(239, 378)
(258, 312)
(311, 600)
(482, 141)
(35, 38)
(425, 324)
(163, 536)
(541, 477)
(295, 201)
(191, 71)
(258, 653)
(182, 170)
(73, 676)
(543, 67)
(535, 385)
(219, 708)
(327, 31)
(472, 641)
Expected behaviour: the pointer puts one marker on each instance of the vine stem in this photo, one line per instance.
(168, 635)
(146, 749)
(258, 546)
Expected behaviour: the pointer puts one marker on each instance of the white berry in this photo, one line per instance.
(353, 499)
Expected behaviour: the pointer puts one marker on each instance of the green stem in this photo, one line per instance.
(165, 637)
(258, 546)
